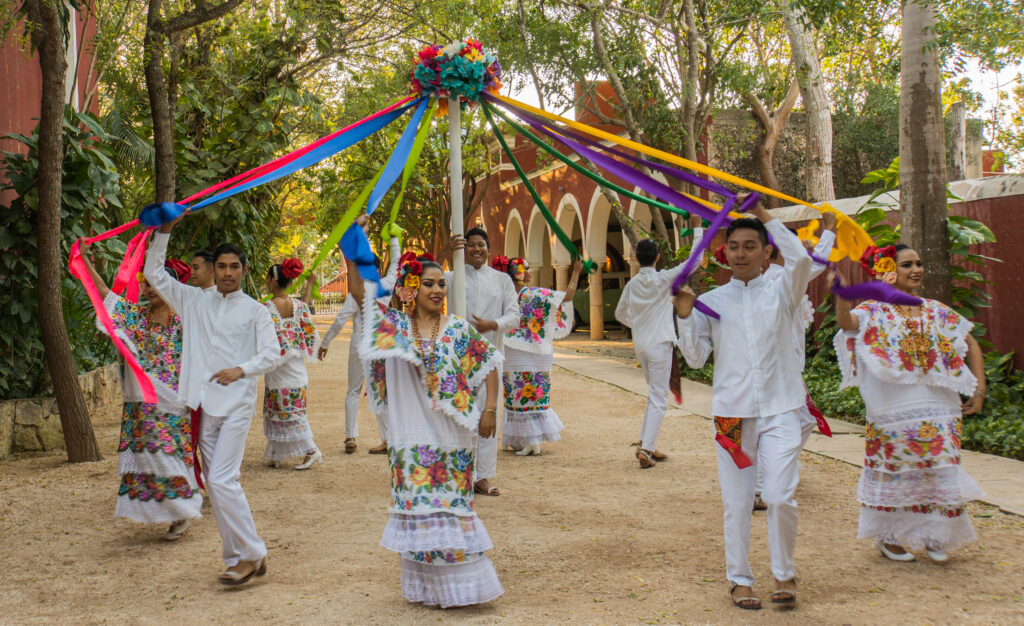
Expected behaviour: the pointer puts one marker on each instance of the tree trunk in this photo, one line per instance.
(159, 105)
(819, 114)
(772, 122)
(958, 136)
(923, 150)
(47, 38)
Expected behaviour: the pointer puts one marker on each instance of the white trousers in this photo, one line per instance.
(656, 362)
(222, 442)
(356, 378)
(773, 443)
(487, 448)
(806, 428)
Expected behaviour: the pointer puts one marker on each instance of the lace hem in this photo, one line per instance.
(939, 486)
(938, 411)
(435, 531)
(284, 450)
(520, 429)
(450, 585)
(153, 512)
(154, 463)
(283, 431)
(946, 529)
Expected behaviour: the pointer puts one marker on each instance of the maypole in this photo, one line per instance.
(455, 193)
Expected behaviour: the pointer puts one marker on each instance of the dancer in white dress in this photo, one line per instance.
(545, 315)
(285, 422)
(911, 364)
(426, 385)
(156, 459)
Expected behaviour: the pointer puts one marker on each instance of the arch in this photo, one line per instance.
(641, 213)
(515, 240)
(539, 249)
(568, 216)
(597, 226)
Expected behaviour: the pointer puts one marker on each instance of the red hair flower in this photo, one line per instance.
(500, 263)
(181, 269)
(290, 268)
(720, 255)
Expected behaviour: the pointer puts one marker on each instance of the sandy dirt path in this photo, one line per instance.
(581, 535)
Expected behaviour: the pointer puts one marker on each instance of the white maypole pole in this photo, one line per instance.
(455, 192)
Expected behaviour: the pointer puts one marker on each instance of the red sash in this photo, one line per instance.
(728, 435)
(197, 422)
(675, 384)
(823, 426)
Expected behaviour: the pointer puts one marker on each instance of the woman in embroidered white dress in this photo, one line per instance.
(155, 454)
(911, 364)
(284, 400)
(423, 370)
(545, 315)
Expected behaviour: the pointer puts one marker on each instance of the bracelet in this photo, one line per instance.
(495, 411)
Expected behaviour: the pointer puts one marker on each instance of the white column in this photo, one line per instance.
(597, 304)
(455, 191)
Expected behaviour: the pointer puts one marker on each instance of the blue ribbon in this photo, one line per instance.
(161, 213)
(316, 155)
(396, 162)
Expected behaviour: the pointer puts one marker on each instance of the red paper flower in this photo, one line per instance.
(500, 263)
(290, 268)
(180, 268)
(720, 255)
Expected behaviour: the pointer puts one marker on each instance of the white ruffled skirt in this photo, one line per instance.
(443, 561)
(526, 382)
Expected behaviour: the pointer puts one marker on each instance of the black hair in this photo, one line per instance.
(426, 263)
(203, 254)
(750, 224)
(775, 248)
(276, 272)
(901, 246)
(229, 248)
(476, 231)
(174, 274)
(647, 252)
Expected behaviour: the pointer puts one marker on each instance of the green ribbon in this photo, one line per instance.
(574, 252)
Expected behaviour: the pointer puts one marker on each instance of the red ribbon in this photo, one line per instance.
(195, 424)
(742, 460)
(823, 426)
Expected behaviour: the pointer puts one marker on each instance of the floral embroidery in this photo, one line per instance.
(430, 478)
(914, 445)
(295, 334)
(145, 428)
(730, 427)
(148, 487)
(926, 509)
(907, 349)
(463, 355)
(448, 557)
(543, 317)
(284, 403)
(527, 391)
(159, 347)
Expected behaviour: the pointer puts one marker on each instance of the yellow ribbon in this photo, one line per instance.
(851, 239)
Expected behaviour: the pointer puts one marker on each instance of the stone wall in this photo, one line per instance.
(33, 424)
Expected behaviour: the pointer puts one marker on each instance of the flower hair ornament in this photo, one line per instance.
(409, 272)
(517, 268)
(289, 268)
(178, 269)
(720, 256)
(880, 262)
(500, 263)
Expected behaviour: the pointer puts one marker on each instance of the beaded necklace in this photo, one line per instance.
(918, 341)
(430, 361)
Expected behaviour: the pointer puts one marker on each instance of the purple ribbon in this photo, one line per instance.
(706, 310)
(875, 290)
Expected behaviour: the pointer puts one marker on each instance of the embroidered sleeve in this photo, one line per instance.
(540, 320)
(310, 336)
(563, 325)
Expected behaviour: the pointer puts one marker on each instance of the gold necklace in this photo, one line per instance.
(429, 363)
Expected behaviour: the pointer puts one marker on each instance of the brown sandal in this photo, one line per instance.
(785, 597)
(645, 458)
(750, 603)
(381, 449)
(490, 491)
(350, 445)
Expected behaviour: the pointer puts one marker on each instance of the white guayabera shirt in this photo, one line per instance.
(218, 332)
(756, 369)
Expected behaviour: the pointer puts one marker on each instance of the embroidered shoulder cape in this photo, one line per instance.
(465, 358)
(296, 334)
(898, 352)
(544, 316)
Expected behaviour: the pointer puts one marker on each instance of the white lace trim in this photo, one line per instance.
(283, 431)
(450, 585)
(284, 450)
(152, 511)
(946, 486)
(931, 412)
(916, 531)
(435, 531)
(522, 428)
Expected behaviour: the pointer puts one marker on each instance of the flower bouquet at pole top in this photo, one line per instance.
(462, 69)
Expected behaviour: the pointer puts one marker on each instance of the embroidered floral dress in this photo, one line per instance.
(155, 457)
(284, 399)
(432, 419)
(911, 372)
(529, 354)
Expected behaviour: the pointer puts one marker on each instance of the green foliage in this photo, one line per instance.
(89, 197)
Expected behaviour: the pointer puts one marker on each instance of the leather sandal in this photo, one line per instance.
(241, 572)
(350, 445)
(381, 449)
(659, 456)
(750, 603)
(785, 597)
(645, 458)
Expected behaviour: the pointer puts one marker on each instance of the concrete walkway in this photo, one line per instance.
(1000, 478)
